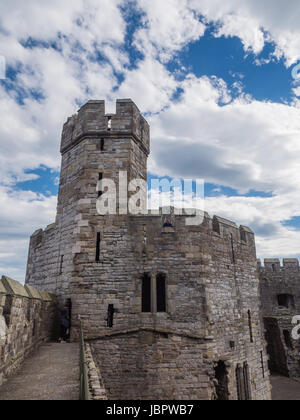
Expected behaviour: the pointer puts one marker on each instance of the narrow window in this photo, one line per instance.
(161, 292)
(28, 315)
(102, 145)
(232, 249)
(288, 340)
(262, 363)
(250, 326)
(7, 310)
(98, 247)
(216, 226)
(146, 293)
(239, 384)
(61, 264)
(246, 382)
(243, 236)
(273, 268)
(100, 177)
(242, 382)
(110, 315)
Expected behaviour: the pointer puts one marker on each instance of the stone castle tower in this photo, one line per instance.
(170, 312)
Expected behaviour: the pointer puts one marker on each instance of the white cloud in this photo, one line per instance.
(243, 143)
(169, 25)
(21, 213)
(150, 84)
(251, 20)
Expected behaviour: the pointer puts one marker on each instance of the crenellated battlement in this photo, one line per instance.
(218, 225)
(273, 265)
(27, 319)
(91, 120)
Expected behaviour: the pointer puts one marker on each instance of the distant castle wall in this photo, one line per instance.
(27, 318)
(280, 302)
(277, 281)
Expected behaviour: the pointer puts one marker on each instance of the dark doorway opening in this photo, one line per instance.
(221, 376)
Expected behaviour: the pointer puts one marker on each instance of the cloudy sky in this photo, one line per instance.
(213, 78)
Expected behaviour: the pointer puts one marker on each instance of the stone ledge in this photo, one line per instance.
(13, 287)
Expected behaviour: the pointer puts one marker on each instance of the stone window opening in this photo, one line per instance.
(250, 326)
(288, 340)
(242, 381)
(285, 301)
(154, 293)
(102, 145)
(146, 293)
(216, 226)
(273, 268)
(98, 243)
(262, 363)
(246, 381)
(232, 249)
(221, 376)
(7, 310)
(28, 313)
(161, 292)
(243, 236)
(110, 315)
(61, 264)
(100, 177)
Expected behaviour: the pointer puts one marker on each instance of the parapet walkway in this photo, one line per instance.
(285, 389)
(51, 373)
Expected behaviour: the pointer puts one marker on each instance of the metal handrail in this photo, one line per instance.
(85, 394)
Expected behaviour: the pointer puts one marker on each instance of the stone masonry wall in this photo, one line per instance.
(281, 280)
(212, 285)
(27, 318)
(154, 366)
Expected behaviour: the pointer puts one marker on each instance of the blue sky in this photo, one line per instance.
(214, 81)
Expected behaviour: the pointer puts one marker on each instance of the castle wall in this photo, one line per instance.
(211, 285)
(147, 365)
(281, 280)
(27, 318)
(233, 307)
(210, 272)
(43, 259)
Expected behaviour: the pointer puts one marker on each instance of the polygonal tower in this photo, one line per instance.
(94, 145)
